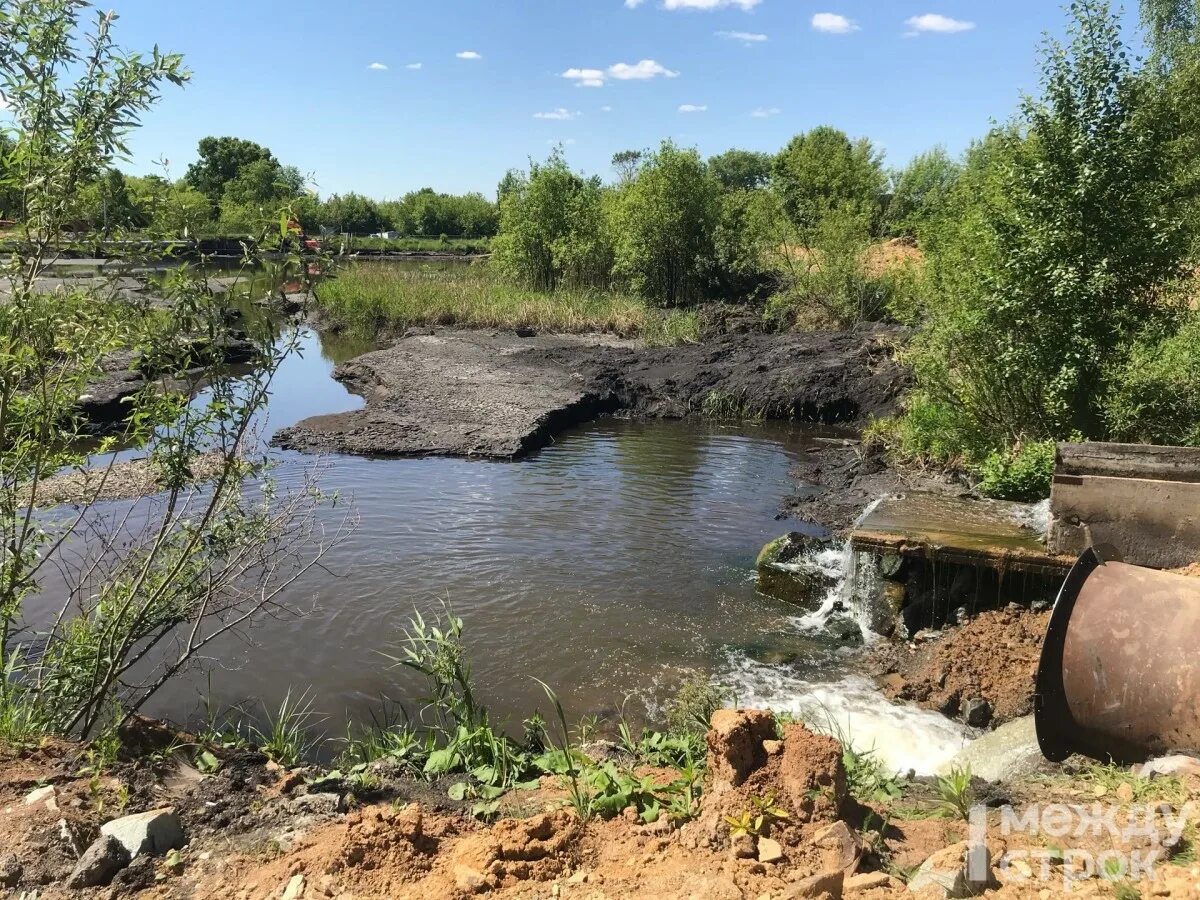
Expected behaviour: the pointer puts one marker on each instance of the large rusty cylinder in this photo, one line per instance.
(1119, 677)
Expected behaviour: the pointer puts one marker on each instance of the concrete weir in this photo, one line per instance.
(919, 560)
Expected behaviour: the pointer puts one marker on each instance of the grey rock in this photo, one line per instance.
(977, 712)
(1011, 751)
(318, 805)
(153, 832)
(100, 863)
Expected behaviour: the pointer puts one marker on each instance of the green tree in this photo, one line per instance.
(663, 223)
(220, 161)
(823, 171)
(552, 230)
(1172, 28)
(741, 170)
(920, 192)
(626, 163)
(1065, 229)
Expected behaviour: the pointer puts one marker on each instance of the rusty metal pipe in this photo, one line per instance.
(1119, 676)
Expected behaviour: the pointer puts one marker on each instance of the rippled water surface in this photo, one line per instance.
(610, 563)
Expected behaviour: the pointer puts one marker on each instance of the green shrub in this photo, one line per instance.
(1022, 473)
(694, 703)
(1156, 393)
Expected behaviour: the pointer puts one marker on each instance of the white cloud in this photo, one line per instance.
(468, 54)
(377, 67)
(832, 23)
(606, 109)
(746, 37)
(937, 24)
(414, 66)
(639, 71)
(765, 112)
(558, 115)
(585, 77)
(692, 108)
(633, 4)
(745, 5)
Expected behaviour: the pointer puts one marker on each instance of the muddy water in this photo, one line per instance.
(609, 564)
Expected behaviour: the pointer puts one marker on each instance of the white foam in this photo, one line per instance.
(903, 737)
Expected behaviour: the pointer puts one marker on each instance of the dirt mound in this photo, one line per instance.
(993, 659)
(495, 394)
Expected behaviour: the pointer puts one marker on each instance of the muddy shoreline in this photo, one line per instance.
(501, 395)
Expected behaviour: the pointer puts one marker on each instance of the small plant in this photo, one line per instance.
(757, 820)
(1126, 890)
(867, 778)
(954, 793)
(562, 757)
(286, 736)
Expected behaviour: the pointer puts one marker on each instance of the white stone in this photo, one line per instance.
(154, 832)
(47, 795)
(295, 888)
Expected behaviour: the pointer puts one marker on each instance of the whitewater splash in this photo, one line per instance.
(849, 588)
(904, 738)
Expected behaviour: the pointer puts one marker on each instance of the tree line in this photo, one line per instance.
(230, 187)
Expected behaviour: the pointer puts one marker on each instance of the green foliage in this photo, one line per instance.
(741, 170)
(867, 778)
(920, 193)
(822, 172)
(827, 279)
(1172, 28)
(551, 230)
(758, 819)
(221, 160)
(1062, 233)
(691, 709)
(662, 224)
(96, 615)
(1155, 394)
(1022, 473)
(428, 213)
(955, 796)
(286, 733)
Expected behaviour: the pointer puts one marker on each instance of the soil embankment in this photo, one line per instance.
(982, 671)
(501, 395)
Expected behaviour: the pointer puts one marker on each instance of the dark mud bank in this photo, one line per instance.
(499, 395)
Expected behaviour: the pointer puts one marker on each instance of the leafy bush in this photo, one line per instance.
(1156, 393)
(1064, 228)
(551, 229)
(920, 193)
(1022, 473)
(662, 225)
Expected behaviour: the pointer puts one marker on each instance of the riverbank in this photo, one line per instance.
(178, 820)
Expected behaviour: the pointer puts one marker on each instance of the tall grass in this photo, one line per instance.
(378, 297)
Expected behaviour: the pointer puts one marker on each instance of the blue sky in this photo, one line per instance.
(335, 89)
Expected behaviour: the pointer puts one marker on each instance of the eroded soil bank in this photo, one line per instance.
(250, 829)
(501, 395)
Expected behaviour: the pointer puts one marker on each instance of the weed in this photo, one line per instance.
(1126, 890)
(562, 757)
(286, 738)
(955, 795)
(757, 820)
